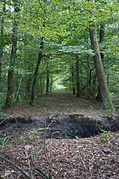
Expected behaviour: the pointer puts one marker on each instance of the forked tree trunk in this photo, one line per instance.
(12, 59)
(2, 38)
(40, 55)
(105, 96)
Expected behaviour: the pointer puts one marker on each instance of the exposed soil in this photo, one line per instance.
(59, 125)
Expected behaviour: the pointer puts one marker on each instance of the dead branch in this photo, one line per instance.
(44, 176)
(16, 167)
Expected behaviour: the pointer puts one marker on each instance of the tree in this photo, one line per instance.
(106, 99)
(77, 78)
(47, 77)
(40, 55)
(73, 79)
(65, 46)
(102, 33)
(2, 37)
(12, 57)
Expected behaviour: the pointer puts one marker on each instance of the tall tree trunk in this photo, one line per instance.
(51, 83)
(47, 77)
(105, 96)
(89, 75)
(73, 80)
(40, 55)
(28, 87)
(102, 33)
(77, 78)
(12, 59)
(41, 84)
(2, 38)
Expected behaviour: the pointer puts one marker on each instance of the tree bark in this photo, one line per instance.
(77, 78)
(12, 59)
(40, 55)
(51, 83)
(47, 77)
(102, 33)
(89, 77)
(2, 38)
(41, 84)
(28, 86)
(73, 80)
(105, 96)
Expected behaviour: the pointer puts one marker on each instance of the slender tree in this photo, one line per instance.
(2, 37)
(47, 77)
(40, 55)
(73, 79)
(12, 56)
(77, 78)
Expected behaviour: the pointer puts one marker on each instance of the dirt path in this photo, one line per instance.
(58, 102)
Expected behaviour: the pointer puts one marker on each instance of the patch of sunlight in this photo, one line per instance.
(58, 84)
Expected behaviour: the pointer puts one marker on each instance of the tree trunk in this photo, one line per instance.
(28, 87)
(105, 96)
(2, 39)
(102, 33)
(73, 80)
(89, 77)
(47, 77)
(41, 84)
(40, 55)
(12, 59)
(51, 83)
(77, 78)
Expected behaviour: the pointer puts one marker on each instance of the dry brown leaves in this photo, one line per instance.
(72, 158)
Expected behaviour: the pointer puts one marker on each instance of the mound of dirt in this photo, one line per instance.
(61, 125)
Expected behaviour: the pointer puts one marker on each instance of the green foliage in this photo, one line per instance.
(105, 135)
(33, 135)
(109, 112)
(66, 36)
(1, 105)
(4, 141)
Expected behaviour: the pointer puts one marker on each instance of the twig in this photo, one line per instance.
(16, 167)
(3, 121)
(85, 168)
(36, 169)
(30, 162)
(41, 173)
(83, 163)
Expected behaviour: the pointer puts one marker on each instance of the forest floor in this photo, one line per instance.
(58, 102)
(65, 157)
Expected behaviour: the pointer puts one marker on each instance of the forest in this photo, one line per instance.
(59, 89)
